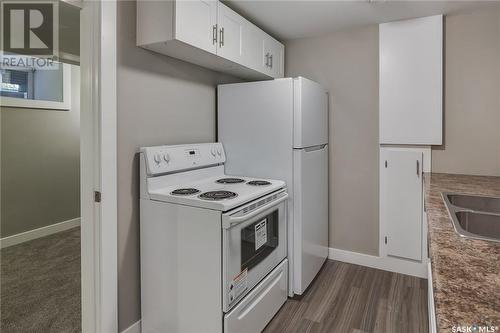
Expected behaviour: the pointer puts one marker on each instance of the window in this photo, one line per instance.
(17, 84)
(31, 87)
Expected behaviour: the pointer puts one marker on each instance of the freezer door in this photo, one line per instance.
(310, 114)
(310, 189)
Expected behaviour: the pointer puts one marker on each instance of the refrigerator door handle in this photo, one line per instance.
(313, 148)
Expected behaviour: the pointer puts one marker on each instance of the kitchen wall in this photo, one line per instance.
(346, 64)
(472, 96)
(40, 165)
(161, 100)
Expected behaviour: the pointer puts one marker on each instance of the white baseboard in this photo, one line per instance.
(384, 263)
(40, 232)
(134, 328)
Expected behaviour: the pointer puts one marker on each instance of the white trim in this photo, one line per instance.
(108, 170)
(407, 267)
(88, 105)
(430, 299)
(13, 102)
(39, 232)
(98, 167)
(134, 328)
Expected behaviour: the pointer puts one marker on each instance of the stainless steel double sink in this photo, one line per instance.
(474, 216)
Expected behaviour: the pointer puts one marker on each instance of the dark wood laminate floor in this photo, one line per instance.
(355, 299)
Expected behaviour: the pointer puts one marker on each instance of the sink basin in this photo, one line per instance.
(473, 216)
(477, 203)
(479, 224)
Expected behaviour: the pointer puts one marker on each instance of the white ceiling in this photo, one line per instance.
(287, 19)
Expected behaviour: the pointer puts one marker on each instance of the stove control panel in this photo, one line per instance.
(168, 159)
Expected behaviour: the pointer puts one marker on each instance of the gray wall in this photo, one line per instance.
(160, 101)
(166, 101)
(346, 63)
(472, 96)
(40, 162)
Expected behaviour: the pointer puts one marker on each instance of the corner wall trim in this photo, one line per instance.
(134, 328)
(384, 263)
(40, 232)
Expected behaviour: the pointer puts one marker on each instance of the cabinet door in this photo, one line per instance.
(273, 54)
(231, 34)
(411, 82)
(252, 47)
(196, 23)
(401, 202)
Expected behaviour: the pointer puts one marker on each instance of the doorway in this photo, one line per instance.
(53, 244)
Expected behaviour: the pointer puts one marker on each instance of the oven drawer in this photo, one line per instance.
(256, 309)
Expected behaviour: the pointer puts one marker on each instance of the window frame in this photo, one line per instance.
(65, 104)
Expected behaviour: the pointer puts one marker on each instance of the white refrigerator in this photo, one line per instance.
(279, 129)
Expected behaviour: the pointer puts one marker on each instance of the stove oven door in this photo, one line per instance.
(254, 243)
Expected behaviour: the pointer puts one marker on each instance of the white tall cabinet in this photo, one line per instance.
(410, 106)
(210, 34)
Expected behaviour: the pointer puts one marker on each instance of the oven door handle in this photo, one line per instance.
(229, 221)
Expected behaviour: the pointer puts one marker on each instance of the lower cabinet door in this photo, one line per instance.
(255, 311)
(401, 202)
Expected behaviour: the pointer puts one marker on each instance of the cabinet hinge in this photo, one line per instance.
(97, 196)
(385, 239)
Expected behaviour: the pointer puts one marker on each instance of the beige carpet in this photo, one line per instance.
(40, 285)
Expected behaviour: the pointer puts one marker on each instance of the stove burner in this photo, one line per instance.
(259, 182)
(217, 195)
(185, 191)
(229, 180)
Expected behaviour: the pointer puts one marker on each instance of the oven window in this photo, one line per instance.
(258, 240)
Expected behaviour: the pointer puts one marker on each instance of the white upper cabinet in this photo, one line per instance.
(411, 81)
(209, 34)
(196, 23)
(273, 53)
(253, 47)
(231, 34)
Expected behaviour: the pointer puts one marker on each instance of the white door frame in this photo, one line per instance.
(98, 167)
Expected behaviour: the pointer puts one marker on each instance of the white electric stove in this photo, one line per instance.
(213, 246)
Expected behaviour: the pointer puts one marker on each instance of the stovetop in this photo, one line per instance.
(220, 192)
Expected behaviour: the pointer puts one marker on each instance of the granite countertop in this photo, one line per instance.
(465, 272)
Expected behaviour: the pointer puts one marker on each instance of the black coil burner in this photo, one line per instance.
(217, 195)
(185, 191)
(230, 181)
(259, 183)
